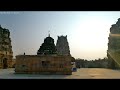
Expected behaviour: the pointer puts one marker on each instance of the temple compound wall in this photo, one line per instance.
(41, 64)
(6, 53)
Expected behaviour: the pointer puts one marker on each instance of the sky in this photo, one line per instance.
(87, 31)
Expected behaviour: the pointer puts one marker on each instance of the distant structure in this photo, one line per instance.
(6, 53)
(113, 52)
(48, 60)
(62, 46)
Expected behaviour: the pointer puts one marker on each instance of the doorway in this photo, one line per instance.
(5, 63)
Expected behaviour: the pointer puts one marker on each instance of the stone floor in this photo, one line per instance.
(82, 73)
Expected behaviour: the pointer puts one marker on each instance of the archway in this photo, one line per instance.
(5, 63)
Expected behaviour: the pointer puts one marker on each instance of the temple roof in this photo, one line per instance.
(48, 47)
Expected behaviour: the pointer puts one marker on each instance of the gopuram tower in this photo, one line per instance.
(62, 46)
(6, 53)
(113, 52)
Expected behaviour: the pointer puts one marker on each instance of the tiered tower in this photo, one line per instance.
(62, 46)
(6, 53)
(48, 47)
(114, 46)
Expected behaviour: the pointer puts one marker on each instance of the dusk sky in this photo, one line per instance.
(87, 31)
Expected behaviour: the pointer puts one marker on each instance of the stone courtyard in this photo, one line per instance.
(82, 73)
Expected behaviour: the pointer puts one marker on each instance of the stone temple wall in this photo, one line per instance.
(43, 64)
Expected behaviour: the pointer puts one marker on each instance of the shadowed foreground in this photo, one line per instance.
(82, 73)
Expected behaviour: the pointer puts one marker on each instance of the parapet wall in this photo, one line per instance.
(43, 64)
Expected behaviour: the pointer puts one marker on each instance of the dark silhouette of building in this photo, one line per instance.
(48, 47)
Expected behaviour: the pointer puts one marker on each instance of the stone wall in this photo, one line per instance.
(48, 64)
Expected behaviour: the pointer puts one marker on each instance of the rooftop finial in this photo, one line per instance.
(48, 33)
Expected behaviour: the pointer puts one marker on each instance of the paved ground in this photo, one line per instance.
(82, 73)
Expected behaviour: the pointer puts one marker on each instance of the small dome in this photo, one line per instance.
(48, 40)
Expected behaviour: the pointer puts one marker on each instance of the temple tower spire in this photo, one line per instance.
(62, 46)
(48, 33)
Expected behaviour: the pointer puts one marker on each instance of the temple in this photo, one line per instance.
(50, 59)
(6, 53)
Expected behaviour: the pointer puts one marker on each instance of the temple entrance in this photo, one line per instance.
(5, 63)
